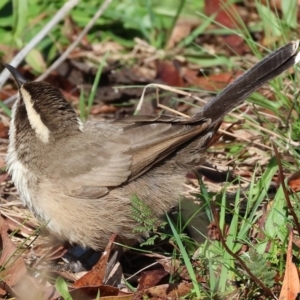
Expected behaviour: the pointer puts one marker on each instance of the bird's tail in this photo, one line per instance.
(235, 93)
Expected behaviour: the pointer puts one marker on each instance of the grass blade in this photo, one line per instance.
(96, 83)
(186, 259)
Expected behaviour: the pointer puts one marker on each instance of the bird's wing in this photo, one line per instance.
(154, 138)
(106, 155)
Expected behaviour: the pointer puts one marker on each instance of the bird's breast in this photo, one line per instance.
(23, 178)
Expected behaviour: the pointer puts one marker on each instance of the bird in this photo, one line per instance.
(78, 177)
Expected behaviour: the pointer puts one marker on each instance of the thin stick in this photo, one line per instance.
(284, 188)
(166, 88)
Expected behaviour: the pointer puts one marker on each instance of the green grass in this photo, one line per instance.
(62, 288)
(86, 105)
(186, 259)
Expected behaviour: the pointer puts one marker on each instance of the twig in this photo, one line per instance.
(166, 88)
(285, 191)
(22, 54)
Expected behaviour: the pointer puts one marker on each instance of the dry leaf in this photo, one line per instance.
(97, 275)
(13, 266)
(169, 73)
(291, 284)
(294, 181)
(226, 12)
(151, 278)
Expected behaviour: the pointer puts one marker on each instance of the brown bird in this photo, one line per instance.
(79, 177)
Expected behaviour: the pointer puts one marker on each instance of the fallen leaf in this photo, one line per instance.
(169, 73)
(294, 181)
(225, 15)
(97, 275)
(151, 278)
(291, 284)
(12, 264)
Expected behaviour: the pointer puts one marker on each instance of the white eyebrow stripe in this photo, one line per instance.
(41, 130)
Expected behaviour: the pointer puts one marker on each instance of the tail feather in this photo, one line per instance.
(235, 93)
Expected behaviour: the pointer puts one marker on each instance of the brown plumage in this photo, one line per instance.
(79, 178)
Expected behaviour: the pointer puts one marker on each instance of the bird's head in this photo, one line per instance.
(42, 109)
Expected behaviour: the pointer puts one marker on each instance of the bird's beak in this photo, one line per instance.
(15, 73)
